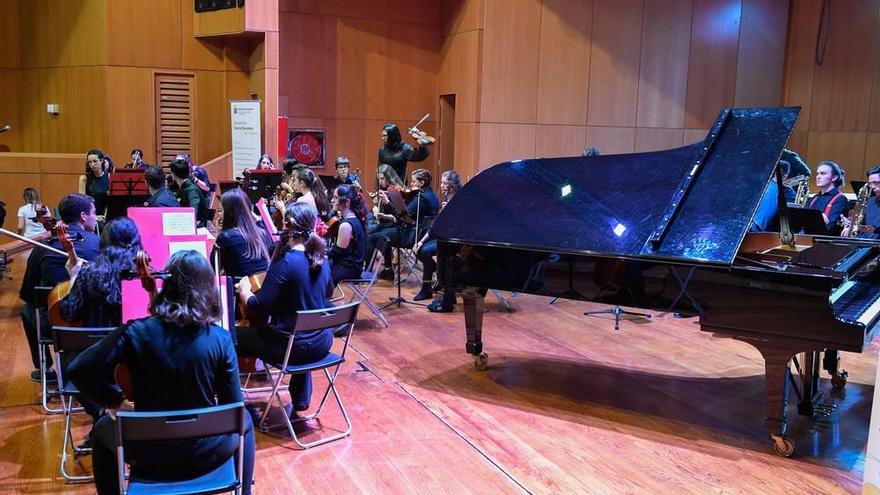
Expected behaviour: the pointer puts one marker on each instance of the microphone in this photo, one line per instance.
(5, 128)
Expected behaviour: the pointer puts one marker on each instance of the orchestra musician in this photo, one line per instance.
(423, 203)
(160, 196)
(28, 224)
(382, 215)
(199, 176)
(178, 359)
(348, 247)
(426, 250)
(396, 153)
(343, 172)
(830, 201)
(870, 228)
(96, 181)
(768, 207)
(311, 191)
(265, 163)
(243, 245)
(45, 268)
(189, 193)
(137, 159)
(298, 279)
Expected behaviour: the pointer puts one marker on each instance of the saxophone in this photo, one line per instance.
(857, 213)
(801, 183)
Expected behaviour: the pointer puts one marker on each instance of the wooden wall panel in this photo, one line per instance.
(459, 73)
(847, 149)
(301, 74)
(11, 187)
(874, 109)
(761, 55)
(270, 113)
(611, 140)
(44, 37)
(648, 139)
(694, 135)
(131, 112)
(559, 140)
(800, 62)
(82, 122)
(301, 6)
(459, 16)
(405, 12)
(467, 149)
(872, 151)
(413, 63)
(843, 81)
(799, 142)
(210, 109)
(62, 163)
(31, 109)
(142, 35)
(198, 53)
(10, 47)
(712, 68)
(505, 142)
(614, 62)
(564, 62)
(53, 187)
(356, 68)
(664, 63)
(87, 41)
(261, 16)
(510, 61)
(11, 84)
(19, 163)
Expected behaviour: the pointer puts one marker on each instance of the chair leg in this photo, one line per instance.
(331, 387)
(276, 384)
(68, 440)
(361, 297)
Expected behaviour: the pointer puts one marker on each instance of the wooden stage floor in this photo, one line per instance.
(568, 405)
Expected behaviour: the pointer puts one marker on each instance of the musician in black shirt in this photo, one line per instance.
(189, 193)
(243, 245)
(160, 196)
(396, 153)
(830, 201)
(347, 249)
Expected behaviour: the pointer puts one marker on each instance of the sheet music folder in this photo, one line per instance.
(399, 205)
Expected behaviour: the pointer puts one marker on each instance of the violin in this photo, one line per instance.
(148, 282)
(60, 291)
(42, 217)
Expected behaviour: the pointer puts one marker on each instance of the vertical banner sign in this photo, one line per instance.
(247, 143)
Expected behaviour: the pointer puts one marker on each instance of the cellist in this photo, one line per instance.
(45, 268)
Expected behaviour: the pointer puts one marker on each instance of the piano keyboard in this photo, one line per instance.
(857, 301)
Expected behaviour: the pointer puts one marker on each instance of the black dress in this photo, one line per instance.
(97, 188)
(397, 158)
(348, 263)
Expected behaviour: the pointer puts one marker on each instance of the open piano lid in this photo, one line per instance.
(692, 204)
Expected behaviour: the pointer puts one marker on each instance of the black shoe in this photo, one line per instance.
(50, 376)
(423, 294)
(386, 274)
(85, 444)
(437, 306)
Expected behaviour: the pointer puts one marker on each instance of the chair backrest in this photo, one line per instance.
(73, 339)
(425, 224)
(180, 425)
(317, 319)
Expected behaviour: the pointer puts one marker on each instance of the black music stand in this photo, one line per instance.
(127, 188)
(402, 216)
(806, 220)
(617, 310)
(261, 183)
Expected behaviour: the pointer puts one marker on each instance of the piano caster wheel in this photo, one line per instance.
(838, 381)
(782, 446)
(481, 362)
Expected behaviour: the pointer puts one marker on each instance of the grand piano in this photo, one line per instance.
(674, 224)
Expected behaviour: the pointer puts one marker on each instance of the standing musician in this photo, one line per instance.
(382, 215)
(348, 247)
(45, 268)
(96, 181)
(423, 203)
(870, 228)
(298, 279)
(189, 193)
(426, 250)
(137, 159)
(396, 153)
(178, 359)
(243, 245)
(160, 196)
(830, 201)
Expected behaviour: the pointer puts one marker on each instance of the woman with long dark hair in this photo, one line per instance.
(298, 279)
(243, 245)
(382, 215)
(348, 247)
(178, 359)
(95, 296)
(396, 153)
(312, 191)
(96, 181)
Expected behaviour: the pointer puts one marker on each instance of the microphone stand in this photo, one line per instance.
(399, 299)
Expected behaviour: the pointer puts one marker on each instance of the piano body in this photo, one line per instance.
(679, 220)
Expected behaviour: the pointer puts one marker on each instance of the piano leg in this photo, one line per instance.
(473, 321)
(831, 364)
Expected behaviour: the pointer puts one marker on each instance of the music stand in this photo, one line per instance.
(261, 183)
(228, 185)
(403, 216)
(806, 220)
(127, 188)
(857, 185)
(617, 310)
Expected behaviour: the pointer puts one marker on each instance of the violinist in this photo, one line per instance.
(396, 153)
(198, 175)
(311, 191)
(424, 203)
(178, 359)
(382, 215)
(343, 172)
(243, 245)
(298, 279)
(830, 201)
(137, 159)
(28, 215)
(45, 268)
(348, 247)
(160, 196)
(426, 250)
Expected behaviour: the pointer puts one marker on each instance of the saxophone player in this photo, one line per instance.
(868, 208)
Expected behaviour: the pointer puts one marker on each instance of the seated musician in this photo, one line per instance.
(311, 191)
(426, 250)
(189, 194)
(348, 247)
(343, 172)
(424, 203)
(870, 228)
(29, 224)
(45, 268)
(160, 196)
(265, 163)
(178, 359)
(298, 279)
(137, 159)
(830, 201)
(198, 175)
(382, 215)
(243, 245)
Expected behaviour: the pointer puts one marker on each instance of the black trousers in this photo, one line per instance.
(426, 255)
(29, 323)
(170, 460)
(405, 236)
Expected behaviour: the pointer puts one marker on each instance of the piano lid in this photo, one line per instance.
(689, 204)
